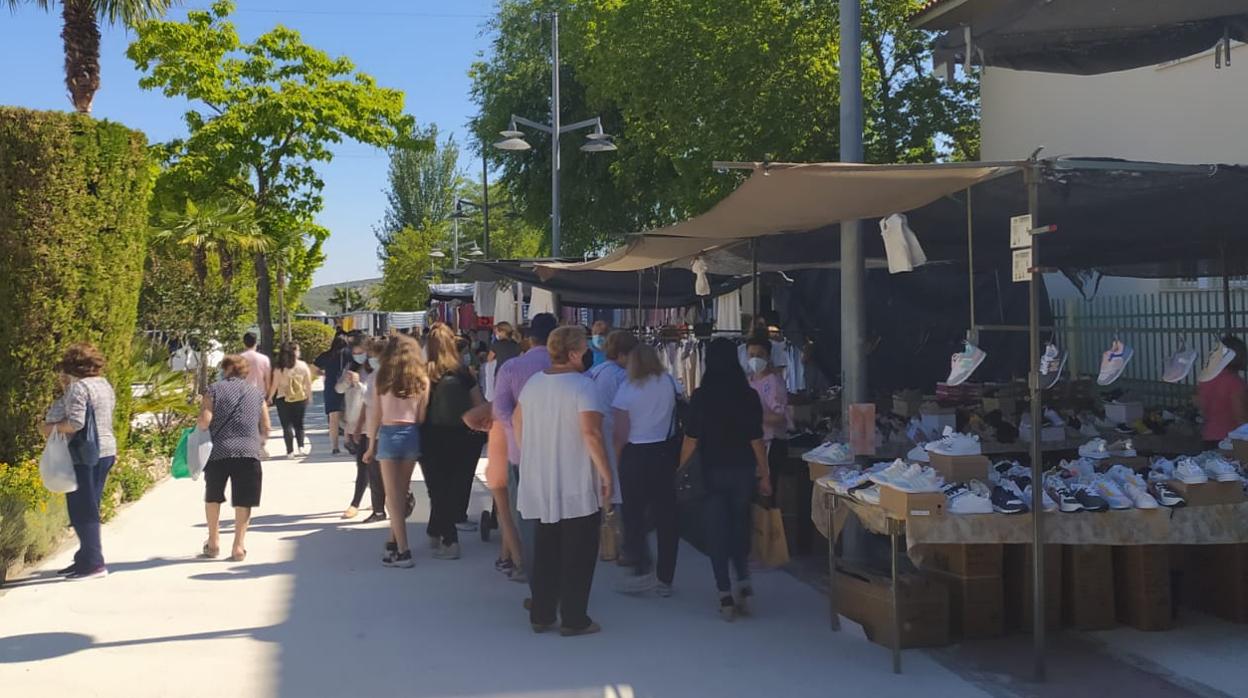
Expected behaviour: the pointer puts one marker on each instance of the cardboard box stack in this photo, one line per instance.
(1217, 580)
(1142, 587)
(1088, 587)
(976, 590)
(1017, 574)
(923, 608)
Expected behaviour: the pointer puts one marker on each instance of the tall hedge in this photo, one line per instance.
(74, 196)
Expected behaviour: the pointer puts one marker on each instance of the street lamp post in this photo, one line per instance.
(596, 142)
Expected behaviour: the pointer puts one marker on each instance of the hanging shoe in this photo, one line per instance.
(964, 363)
(1179, 365)
(1114, 362)
(1219, 358)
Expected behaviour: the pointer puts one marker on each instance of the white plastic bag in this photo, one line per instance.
(198, 450)
(56, 467)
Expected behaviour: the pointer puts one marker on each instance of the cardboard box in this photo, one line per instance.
(906, 505)
(934, 421)
(1088, 587)
(1239, 450)
(962, 560)
(1209, 493)
(1017, 576)
(976, 606)
(961, 468)
(922, 607)
(1216, 580)
(1142, 586)
(818, 470)
(1124, 412)
(906, 404)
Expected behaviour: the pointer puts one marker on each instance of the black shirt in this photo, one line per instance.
(450, 397)
(725, 422)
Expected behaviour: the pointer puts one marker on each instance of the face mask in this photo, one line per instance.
(374, 362)
(598, 342)
(757, 365)
(359, 358)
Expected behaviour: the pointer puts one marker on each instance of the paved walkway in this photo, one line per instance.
(313, 613)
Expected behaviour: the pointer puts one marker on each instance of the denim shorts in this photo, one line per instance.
(398, 442)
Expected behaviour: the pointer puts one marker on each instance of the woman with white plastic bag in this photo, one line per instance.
(56, 468)
(84, 415)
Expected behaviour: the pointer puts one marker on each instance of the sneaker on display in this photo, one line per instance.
(1090, 500)
(1088, 429)
(918, 478)
(1046, 501)
(1094, 449)
(1082, 469)
(1051, 365)
(1122, 449)
(1188, 472)
(868, 495)
(1006, 502)
(1219, 469)
(1219, 358)
(1239, 434)
(918, 454)
(1165, 495)
(1226, 444)
(1133, 486)
(1179, 365)
(955, 444)
(1066, 500)
(1113, 495)
(830, 453)
(891, 474)
(962, 500)
(1113, 362)
(1162, 469)
(964, 363)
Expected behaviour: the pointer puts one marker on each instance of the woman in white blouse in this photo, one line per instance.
(565, 478)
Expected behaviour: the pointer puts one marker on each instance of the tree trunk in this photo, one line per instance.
(81, 35)
(264, 313)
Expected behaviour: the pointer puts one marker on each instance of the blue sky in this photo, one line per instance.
(423, 47)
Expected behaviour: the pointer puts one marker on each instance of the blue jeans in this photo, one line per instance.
(726, 521)
(526, 528)
(84, 512)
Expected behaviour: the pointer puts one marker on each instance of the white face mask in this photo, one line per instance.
(756, 364)
(374, 362)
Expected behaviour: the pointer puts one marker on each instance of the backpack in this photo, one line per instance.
(296, 390)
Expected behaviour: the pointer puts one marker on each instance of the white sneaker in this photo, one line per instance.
(1081, 469)
(963, 500)
(1218, 359)
(1220, 470)
(918, 454)
(1122, 449)
(868, 495)
(1239, 434)
(1226, 444)
(1179, 365)
(1051, 365)
(964, 363)
(830, 453)
(1114, 362)
(955, 444)
(1134, 487)
(917, 478)
(1052, 418)
(891, 475)
(1188, 472)
(1094, 449)
(1046, 501)
(1109, 490)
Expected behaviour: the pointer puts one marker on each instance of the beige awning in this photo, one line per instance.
(791, 198)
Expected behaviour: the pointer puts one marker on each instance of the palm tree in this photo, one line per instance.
(348, 299)
(215, 228)
(81, 33)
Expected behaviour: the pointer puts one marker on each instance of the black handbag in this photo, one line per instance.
(84, 446)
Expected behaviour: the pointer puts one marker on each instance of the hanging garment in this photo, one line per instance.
(702, 285)
(505, 305)
(484, 294)
(728, 312)
(900, 244)
(541, 301)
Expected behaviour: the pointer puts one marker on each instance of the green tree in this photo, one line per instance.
(686, 82)
(422, 186)
(348, 299)
(80, 33)
(407, 269)
(217, 228)
(267, 114)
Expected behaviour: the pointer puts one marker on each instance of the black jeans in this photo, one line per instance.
(291, 416)
(726, 521)
(563, 572)
(367, 475)
(448, 460)
(648, 486)
(84, 513)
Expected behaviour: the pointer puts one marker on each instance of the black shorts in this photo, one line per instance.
(244, 475)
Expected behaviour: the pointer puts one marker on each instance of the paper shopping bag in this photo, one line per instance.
(609, 540)
(769, 546)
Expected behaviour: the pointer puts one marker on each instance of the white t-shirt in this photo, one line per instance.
(557, 477)
(649, 405)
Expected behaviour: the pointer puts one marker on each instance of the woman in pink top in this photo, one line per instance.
(1224, 400)
(774, 394)
(396, 410)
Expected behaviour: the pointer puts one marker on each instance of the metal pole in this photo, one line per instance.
(554, 135)
(1226, 292)
(754, 280)
(853, 273)
(1032, 178)
(455, 246)
(970, 262)
(485, 205)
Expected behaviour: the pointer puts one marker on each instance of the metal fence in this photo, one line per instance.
(1155, 326)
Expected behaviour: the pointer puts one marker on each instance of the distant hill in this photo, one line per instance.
(317, 298)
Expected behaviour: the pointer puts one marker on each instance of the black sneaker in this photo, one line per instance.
(1006, 502)
(1166, 496)
(375, 517)
(1067, 502)
(1090, 500)
(727, 608)
(392, 549)
(97, 573)
(67, 571)
(409, 505)
(397, 559)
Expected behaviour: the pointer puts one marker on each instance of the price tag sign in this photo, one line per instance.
(1022, 265)
(1020, 232)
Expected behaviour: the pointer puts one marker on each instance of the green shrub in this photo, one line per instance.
(73, 235)
(312, 337)
(32, 519)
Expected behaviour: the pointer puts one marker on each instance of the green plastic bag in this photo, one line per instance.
(179, 468)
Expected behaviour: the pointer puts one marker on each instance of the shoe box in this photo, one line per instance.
(1124, 412)
(1209, 493)
(818, 470)
(1142, 592)
(933, 420)
(961, 468)
(976, 591)
(906, 403)
(1216, 580)
(922, 607)
(907, 505)
(1088, 587)
(1239, 450)
(1017, 575)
